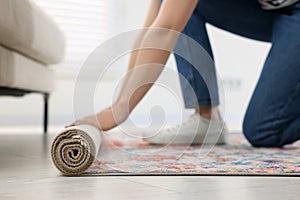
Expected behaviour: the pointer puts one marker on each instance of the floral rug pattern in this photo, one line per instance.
(121, 156)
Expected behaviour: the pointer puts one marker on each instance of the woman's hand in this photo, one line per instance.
(106, 119)
(146, 65)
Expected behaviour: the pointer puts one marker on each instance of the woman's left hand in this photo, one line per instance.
(106, 119)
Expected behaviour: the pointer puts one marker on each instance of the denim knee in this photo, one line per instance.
(259, 135)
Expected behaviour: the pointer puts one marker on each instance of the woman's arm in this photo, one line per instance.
(172, 18)
(146, 64)
(151, 16)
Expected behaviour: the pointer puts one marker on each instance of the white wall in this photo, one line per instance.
(238, 60)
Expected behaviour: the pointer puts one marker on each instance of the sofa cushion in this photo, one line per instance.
(20, 72)
(24, 27)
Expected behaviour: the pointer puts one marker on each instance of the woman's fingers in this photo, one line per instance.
(73, 124)
(87, 120)
(76, 123)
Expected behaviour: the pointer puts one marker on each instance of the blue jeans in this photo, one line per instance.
(273, 115)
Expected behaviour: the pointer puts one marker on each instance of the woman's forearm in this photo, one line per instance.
(151, 16)
(155, 47)
(150, 60)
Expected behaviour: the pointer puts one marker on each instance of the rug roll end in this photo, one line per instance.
(75, 148)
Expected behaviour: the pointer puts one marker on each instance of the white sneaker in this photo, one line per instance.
(193, 131)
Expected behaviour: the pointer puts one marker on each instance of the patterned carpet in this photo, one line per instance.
(123, 156)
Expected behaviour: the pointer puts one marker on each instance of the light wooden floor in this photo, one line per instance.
(26, 172)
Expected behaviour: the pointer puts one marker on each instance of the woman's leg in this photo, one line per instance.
(243, 17)
(195, 29)
(273, 115)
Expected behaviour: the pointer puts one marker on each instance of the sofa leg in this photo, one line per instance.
(46, 98)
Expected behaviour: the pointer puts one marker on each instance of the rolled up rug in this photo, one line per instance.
(74, 149)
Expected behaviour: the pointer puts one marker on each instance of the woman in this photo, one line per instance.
(273, 115)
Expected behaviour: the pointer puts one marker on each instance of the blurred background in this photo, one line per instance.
(87, 24)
